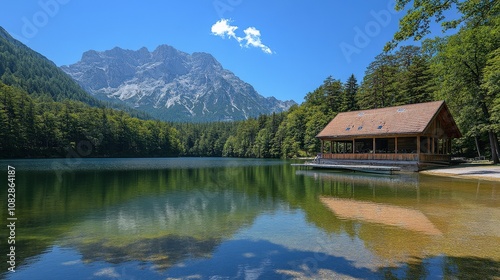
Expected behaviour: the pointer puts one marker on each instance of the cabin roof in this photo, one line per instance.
(405, 120)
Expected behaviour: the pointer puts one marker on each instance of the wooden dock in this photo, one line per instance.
(360, 168)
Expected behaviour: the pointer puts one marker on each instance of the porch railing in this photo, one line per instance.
(388, 156)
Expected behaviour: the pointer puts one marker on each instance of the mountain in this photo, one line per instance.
(171, 85)
(31, 72)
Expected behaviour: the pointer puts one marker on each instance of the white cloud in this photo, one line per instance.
(223, 28)
(107, 272)
(252, 37)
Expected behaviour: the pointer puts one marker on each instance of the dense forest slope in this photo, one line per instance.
(37, 127)
(23, 68)
(28, 70)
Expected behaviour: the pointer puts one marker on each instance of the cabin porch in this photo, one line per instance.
(420, 149)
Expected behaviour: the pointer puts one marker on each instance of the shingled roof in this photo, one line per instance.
(398, 120)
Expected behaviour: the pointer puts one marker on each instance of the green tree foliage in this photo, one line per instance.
(414, 77)
(349, 102)
(293, 130)
(292, 133)
(328, 97)
(392, 79)
(416, 22)
(31, 72)
(314, 125)
(464, 66)
(491, 83)
(33, 127)
(23, 68)
(378, 88)
(204, 139)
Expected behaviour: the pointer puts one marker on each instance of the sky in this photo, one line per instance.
(282, 48)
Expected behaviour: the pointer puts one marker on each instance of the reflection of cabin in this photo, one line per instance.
(414, 135)
(385, 214)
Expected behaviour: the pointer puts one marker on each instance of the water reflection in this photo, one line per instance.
(163, 252)
(165, 229)
(384, 214)
(403, 180)
(251, 218)
(400, 222)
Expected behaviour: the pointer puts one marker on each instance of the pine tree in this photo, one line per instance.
(349, 96)
(333, 95)
(378, 88)
(413, 77)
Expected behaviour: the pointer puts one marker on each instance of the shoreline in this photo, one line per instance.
(488, 172)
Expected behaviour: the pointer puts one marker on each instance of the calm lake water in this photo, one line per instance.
(213, 218)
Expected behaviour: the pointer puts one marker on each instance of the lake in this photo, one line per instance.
(220, 218)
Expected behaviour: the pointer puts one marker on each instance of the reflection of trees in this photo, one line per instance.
(163, 252)
(466, 214)
(450, 267)
(142, 214)
(165, 228)
(116, 209)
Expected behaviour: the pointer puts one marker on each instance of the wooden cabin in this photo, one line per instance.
(415, 135)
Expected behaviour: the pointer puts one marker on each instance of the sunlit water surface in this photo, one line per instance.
(213, 218)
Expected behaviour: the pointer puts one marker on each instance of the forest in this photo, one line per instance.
(48, 117)
(38, 127)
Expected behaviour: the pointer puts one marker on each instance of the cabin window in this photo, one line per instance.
(361, 114)
(347, 128)
(401, 110)
(380, 127)
(361, 127)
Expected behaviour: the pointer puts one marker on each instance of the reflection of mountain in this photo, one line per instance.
(379, 213)
(260, 259)
(165, 229)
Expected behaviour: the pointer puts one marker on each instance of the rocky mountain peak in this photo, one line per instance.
(91, 56)
(206, 62)
(170, 84)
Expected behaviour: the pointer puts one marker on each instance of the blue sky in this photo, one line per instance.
(300, 43)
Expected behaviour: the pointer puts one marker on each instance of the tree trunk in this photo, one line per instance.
(477, 147)
(491, 134)
(494, 147)
(497, 149)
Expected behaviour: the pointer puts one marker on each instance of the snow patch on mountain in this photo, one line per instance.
(171, 85)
